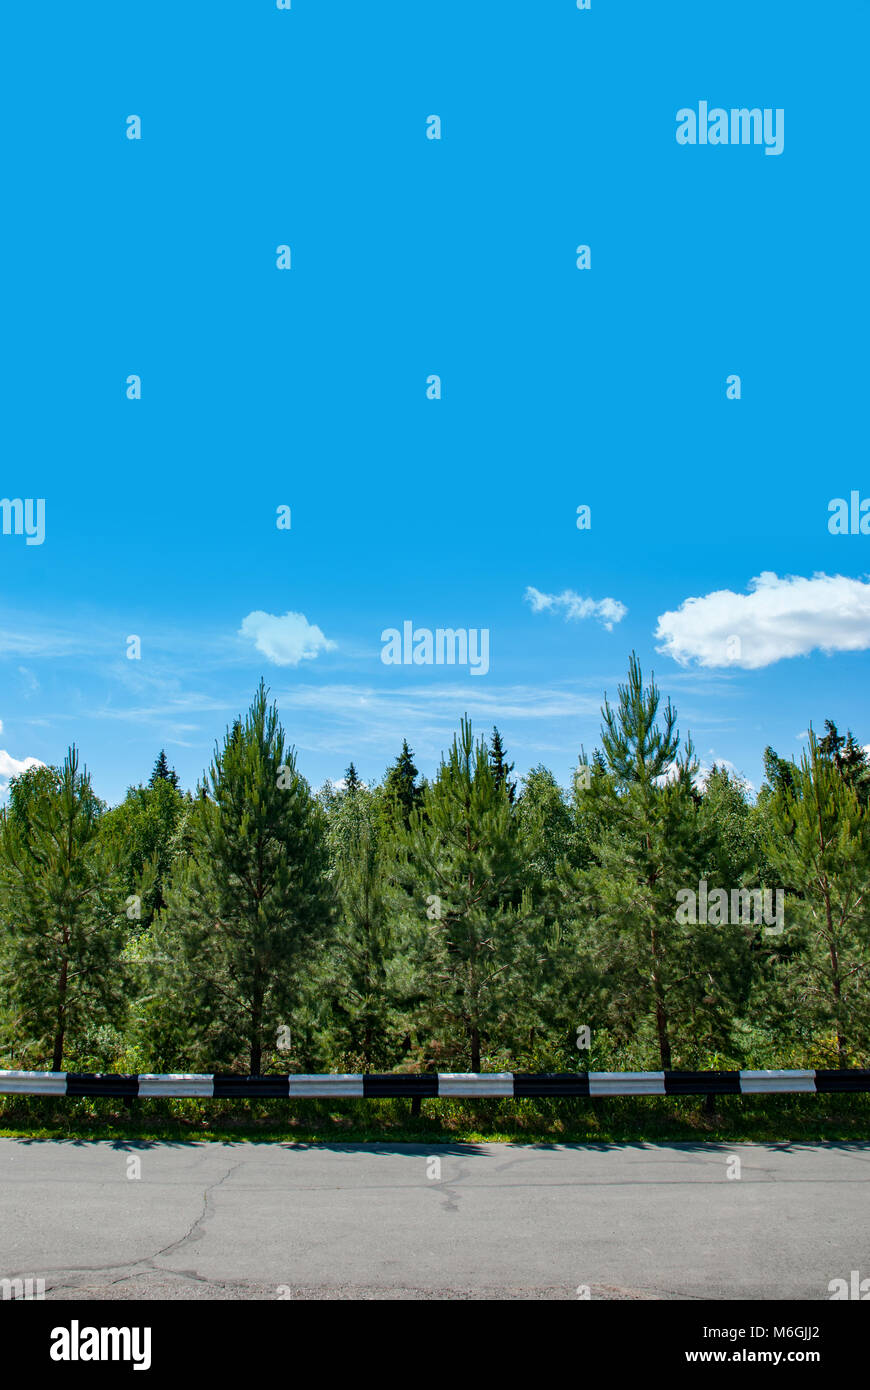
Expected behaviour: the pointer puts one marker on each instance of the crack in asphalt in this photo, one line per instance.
(193, 1232)
(147, 1263)
(460, 1181)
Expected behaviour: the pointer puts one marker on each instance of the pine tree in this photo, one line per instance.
(402, 795)
(61, 911)
(652, 843)
(164, 771)
(820, 847)
(247, 916)
(464, 861)
(637, 752)
(352, 781)
(849, 757)
(831, 745)
(358, 972)
(501, 768)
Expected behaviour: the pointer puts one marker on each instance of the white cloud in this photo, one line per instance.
(285, 641)
(339, 784)
(778, 618)
(42, 642)
(607, 610)
(703, 774)
(340, 719)
(13, 767)
(366, 705)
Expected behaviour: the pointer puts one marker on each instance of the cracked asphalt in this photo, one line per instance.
(372, 1221)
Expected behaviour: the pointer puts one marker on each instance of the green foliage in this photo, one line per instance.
(545, 824)
(651, 974)
(849, 758)
(637, 751)
(352, 782)
(248, 911)
(402, 794)
(820, 847)
(162, 771)
(27, 790)
(61, 916)
(472, 929)
(145, 836)
(501, 768)
(451, 924)
(735, 837)
(362, 974)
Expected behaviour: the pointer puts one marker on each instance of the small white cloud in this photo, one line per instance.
(13, 767)
(607, 610)
(778, 618)
(340, 784)
(285, 640)
(703, 774)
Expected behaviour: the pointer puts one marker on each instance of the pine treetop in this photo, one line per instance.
(400, 785)
(162, 769)
(501, 768)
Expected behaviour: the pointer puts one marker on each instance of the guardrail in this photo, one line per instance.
(375, 1086)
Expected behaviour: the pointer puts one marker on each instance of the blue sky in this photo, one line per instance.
(413, 257)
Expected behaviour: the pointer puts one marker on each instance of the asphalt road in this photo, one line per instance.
(373, 1221)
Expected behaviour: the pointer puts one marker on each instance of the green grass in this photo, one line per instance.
(620, 1120)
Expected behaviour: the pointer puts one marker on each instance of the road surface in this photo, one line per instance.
(145, 1220)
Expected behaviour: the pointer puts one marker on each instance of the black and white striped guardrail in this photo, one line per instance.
(422, 1084)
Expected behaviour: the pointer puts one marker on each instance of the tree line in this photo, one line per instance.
(464, 922)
